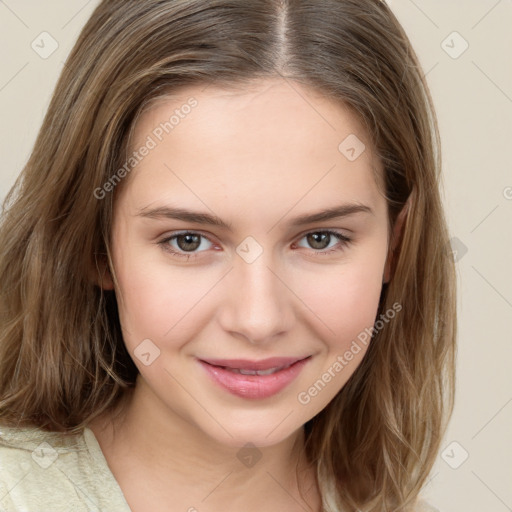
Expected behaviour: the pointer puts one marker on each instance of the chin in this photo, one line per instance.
(239, 432)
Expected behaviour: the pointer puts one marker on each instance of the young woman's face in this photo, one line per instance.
(215, 261)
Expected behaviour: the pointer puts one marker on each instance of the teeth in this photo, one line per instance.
(270, 371)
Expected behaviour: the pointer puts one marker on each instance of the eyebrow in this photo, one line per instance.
(168, 212)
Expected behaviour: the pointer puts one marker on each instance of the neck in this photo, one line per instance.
(158, 449)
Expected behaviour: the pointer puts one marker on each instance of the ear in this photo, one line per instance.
(100, 272)
(395, 241)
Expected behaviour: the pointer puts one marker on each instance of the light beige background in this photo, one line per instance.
(473, 97)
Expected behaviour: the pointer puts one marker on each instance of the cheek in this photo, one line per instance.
(345, 298)
(154, 303)
(346, 302)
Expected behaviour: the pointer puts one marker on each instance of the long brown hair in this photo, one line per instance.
(62, 357)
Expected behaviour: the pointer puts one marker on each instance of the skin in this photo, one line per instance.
(256, 158)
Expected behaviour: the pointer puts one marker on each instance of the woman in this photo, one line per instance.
(175, 333)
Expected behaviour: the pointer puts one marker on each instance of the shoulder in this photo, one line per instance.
(42, 470)
(33, 464)
(34, 448)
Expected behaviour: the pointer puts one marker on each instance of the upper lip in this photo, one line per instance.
(246, 364)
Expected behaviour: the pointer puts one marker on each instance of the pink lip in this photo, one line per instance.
(254, 386)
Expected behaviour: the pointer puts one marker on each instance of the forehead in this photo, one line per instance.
(272, 137)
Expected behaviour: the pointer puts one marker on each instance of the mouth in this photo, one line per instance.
(254, 379)
(247, 367)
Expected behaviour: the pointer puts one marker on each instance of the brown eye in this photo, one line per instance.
(318, 240)
(185, 244)
(321, 240)
(188, 242)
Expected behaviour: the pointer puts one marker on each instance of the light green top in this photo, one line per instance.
(50, 472)
(43, 471)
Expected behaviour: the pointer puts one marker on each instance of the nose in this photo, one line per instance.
(257, 302)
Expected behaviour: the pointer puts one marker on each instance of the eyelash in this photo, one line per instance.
(343, 239)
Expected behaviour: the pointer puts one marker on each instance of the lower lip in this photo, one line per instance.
(254, 386)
